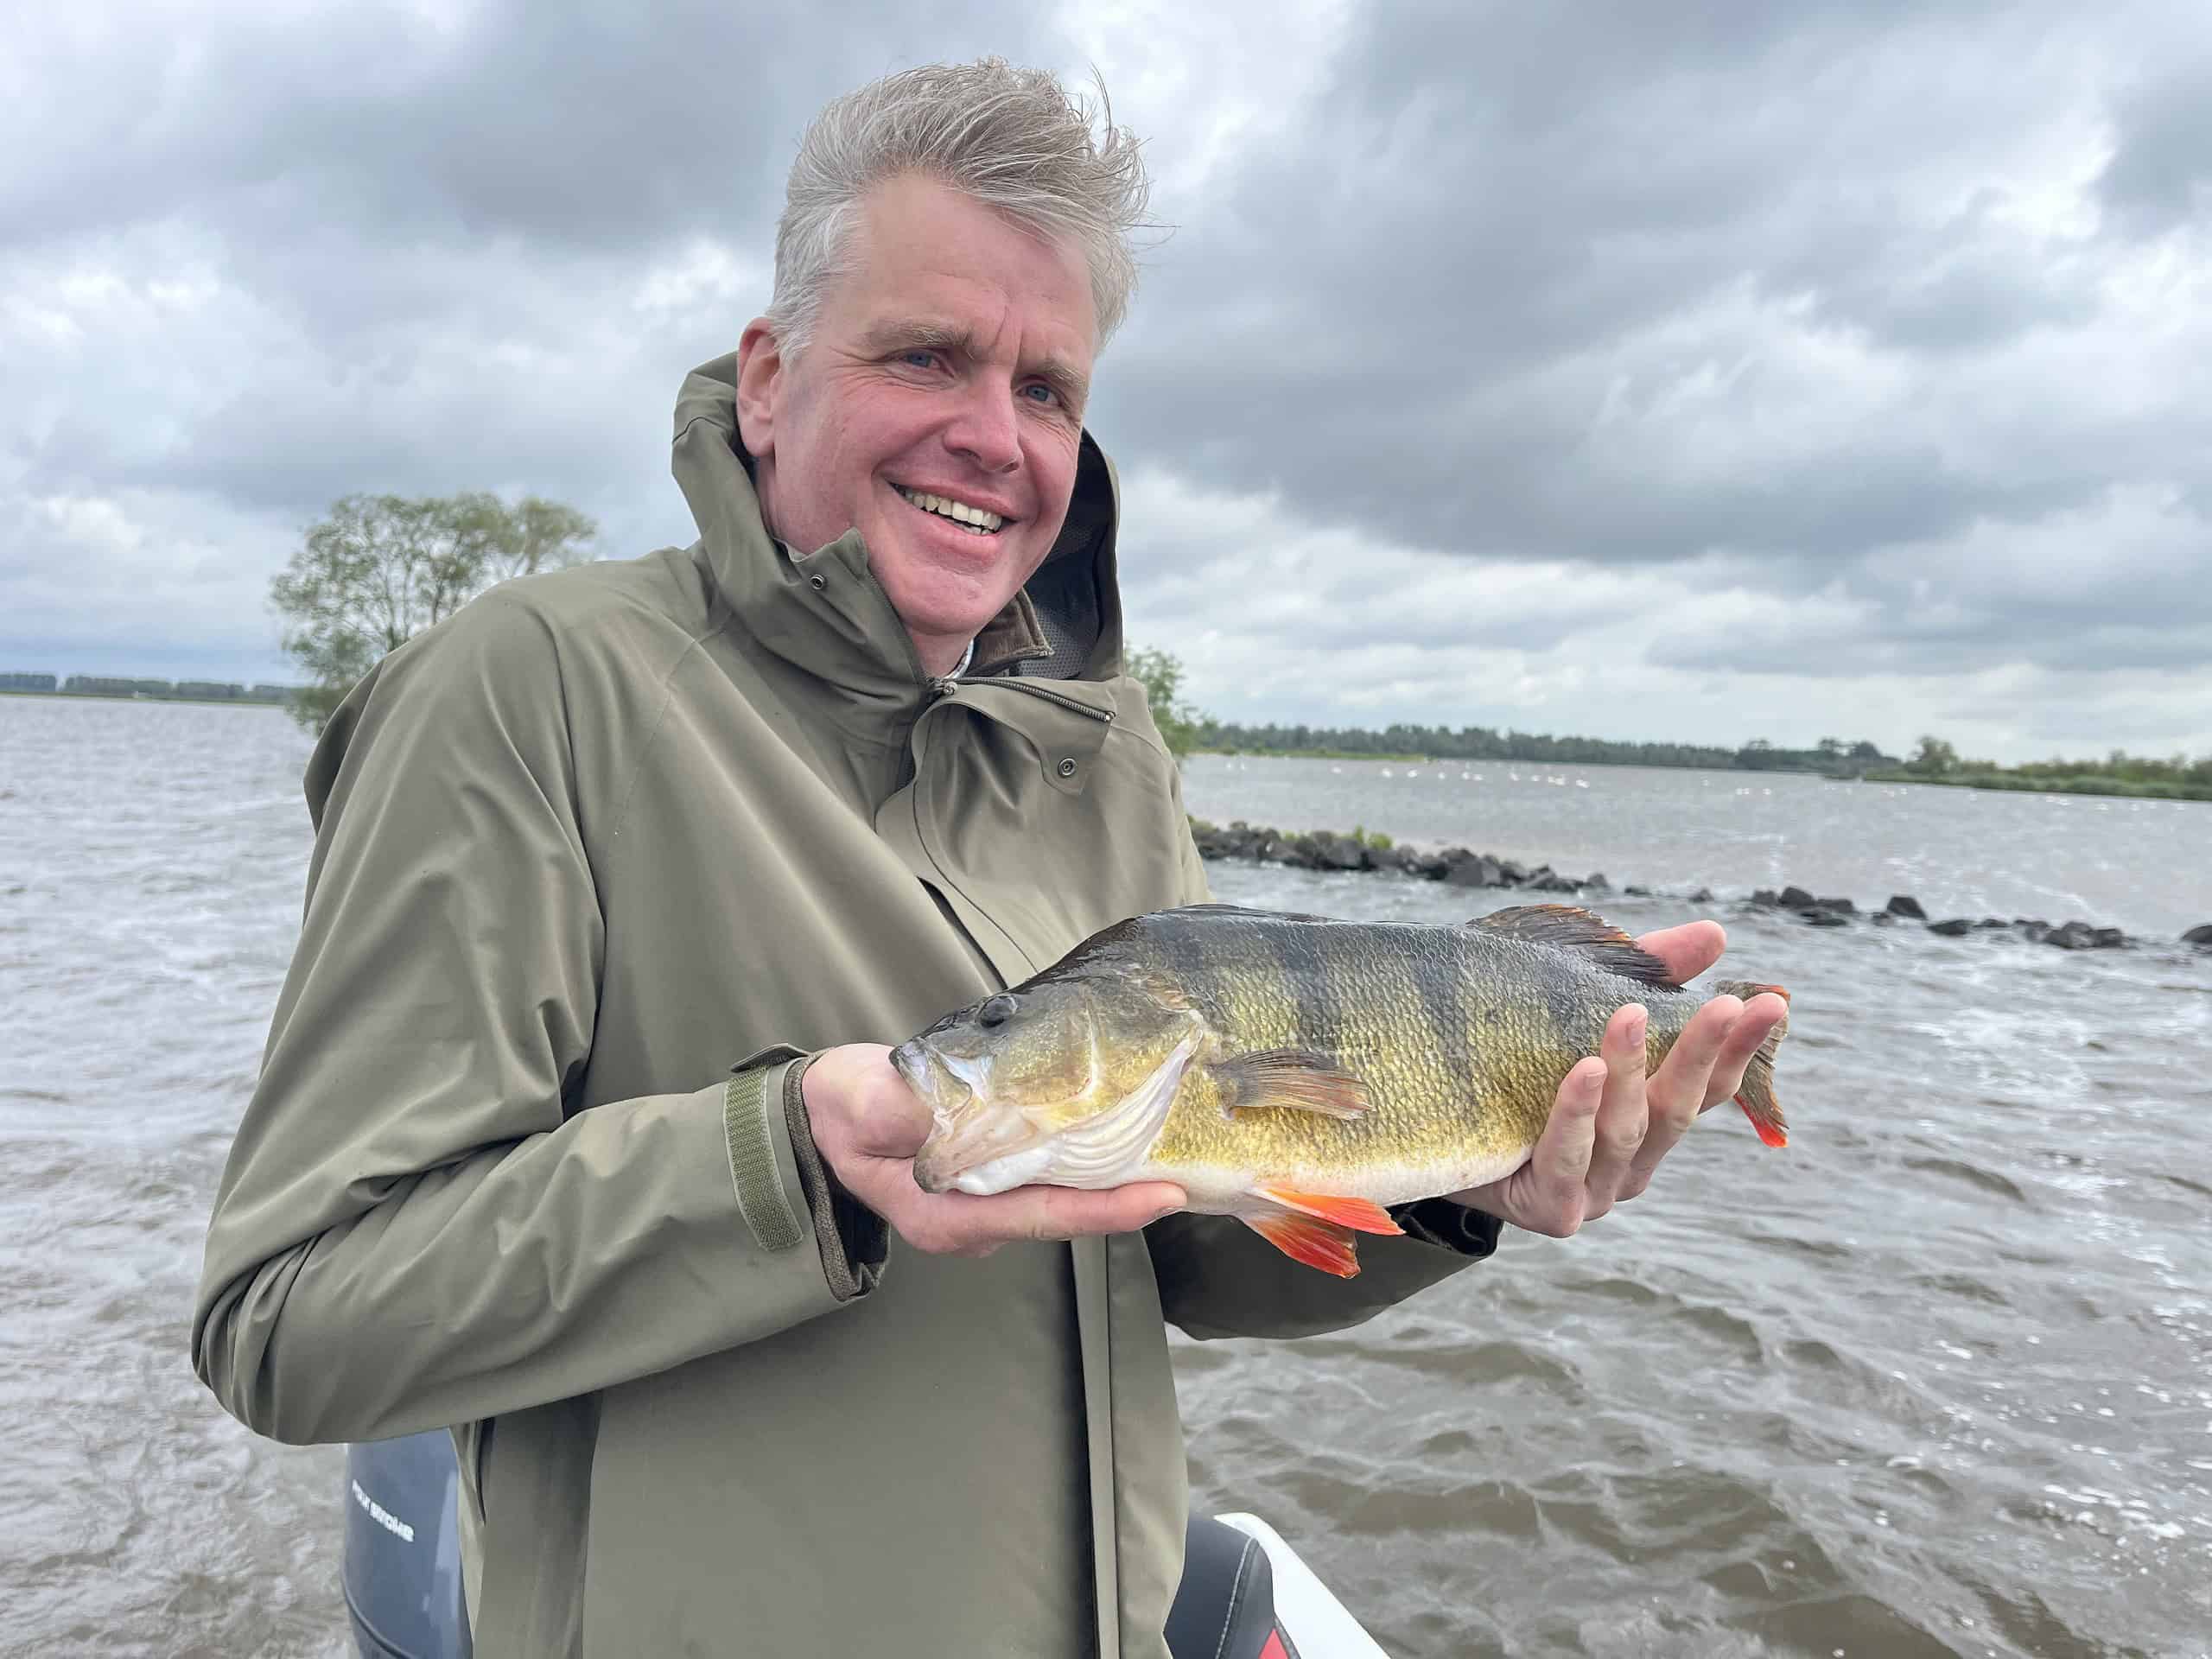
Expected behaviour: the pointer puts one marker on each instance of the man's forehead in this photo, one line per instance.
(925, 252)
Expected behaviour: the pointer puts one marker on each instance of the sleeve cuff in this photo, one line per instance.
(1454, 1227)
(854, 1240)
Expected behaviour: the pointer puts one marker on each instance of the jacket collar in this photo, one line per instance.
(823, 609)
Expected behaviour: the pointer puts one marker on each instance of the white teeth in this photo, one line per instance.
(979, 519)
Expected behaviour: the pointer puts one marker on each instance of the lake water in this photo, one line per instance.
(1935, 1379)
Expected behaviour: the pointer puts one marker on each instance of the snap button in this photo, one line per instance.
(1067, 768)
(818, 581)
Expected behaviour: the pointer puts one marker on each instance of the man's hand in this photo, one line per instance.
(1609, 1128)
(868, 1126)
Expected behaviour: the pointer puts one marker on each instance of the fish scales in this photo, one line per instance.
(1294, 1070)
(1460, 1066)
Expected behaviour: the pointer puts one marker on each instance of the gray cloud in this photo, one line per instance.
(1457, 285)
(2160, 175)
(566, 124)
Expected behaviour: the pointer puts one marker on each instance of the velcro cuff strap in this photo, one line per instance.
(761, 1198)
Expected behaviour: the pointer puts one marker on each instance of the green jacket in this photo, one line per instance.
(596, 862)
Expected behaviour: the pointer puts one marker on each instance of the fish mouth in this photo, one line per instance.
(966, 1132)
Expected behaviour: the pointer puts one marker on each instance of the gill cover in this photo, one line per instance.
(1105, 1149)
(1067, 1079)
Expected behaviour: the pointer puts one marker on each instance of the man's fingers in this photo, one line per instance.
(1761, 1015)
(962, 1223)
(1560, 1165)
(1681, 1087)
(1059, 1212)
(1688, 950)
(1618, 1131)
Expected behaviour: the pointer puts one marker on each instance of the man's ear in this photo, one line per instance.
(759, 382)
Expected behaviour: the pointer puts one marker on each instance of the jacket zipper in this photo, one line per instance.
(1104, 716)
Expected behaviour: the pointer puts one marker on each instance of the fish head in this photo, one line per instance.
(1055, 1081)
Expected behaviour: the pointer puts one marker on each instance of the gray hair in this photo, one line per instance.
(1014, 139)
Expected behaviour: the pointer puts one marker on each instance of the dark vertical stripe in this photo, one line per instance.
(1320, 981)
(1435, 969)
(1181, 944)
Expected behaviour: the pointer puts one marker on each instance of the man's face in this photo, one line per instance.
(951, 362)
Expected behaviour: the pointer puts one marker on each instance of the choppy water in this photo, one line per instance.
(1937, 1379)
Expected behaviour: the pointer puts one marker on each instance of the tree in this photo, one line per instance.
(1161, 676)
(380, 568)
(1934, 755)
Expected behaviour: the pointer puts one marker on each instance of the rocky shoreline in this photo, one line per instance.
(1462, 866)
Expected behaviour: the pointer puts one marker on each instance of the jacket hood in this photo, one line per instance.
(824, 608)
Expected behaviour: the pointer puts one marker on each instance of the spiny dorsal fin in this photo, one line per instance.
(1245, 912)
(1572, 928)
(1292, 1079)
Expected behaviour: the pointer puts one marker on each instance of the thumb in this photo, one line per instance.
(855, 1089)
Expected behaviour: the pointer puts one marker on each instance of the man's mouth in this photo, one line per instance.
(977, 521)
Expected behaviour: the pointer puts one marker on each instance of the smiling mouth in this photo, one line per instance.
(977, 521)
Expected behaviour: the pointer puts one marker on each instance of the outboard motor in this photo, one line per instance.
(1226, 1606)
(403, 1548)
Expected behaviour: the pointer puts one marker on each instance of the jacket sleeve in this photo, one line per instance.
(1218, 1278)
(417, 1227)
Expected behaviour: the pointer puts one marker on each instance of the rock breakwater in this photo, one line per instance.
(1463, 867)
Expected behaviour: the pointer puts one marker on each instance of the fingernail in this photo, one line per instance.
(1639, 1023)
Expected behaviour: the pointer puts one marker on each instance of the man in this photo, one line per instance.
(863, 754)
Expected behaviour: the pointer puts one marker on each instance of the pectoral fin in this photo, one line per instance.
(1289, 1079)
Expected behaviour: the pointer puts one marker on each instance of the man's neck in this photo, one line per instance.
(959, 664)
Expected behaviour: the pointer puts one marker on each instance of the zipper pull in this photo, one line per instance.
(943, 686)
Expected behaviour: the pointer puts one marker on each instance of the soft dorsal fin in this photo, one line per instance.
(1572, 928)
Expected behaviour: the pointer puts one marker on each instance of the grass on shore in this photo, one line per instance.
(2077, 784)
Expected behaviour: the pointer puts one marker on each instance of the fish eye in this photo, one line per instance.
(996, 1011)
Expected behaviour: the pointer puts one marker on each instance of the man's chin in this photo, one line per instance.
(936, 597)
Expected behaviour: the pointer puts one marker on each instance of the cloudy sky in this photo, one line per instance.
(1698, 371)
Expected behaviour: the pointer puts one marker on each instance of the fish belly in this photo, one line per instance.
(1217, 1190)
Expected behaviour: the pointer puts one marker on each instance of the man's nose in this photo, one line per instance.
(984, 427)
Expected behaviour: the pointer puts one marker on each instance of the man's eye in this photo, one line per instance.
(1043, 393)
(920, 357)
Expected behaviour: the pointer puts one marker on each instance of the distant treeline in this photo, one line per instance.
(2178, 778)
(100, 685)
(1484, 743)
